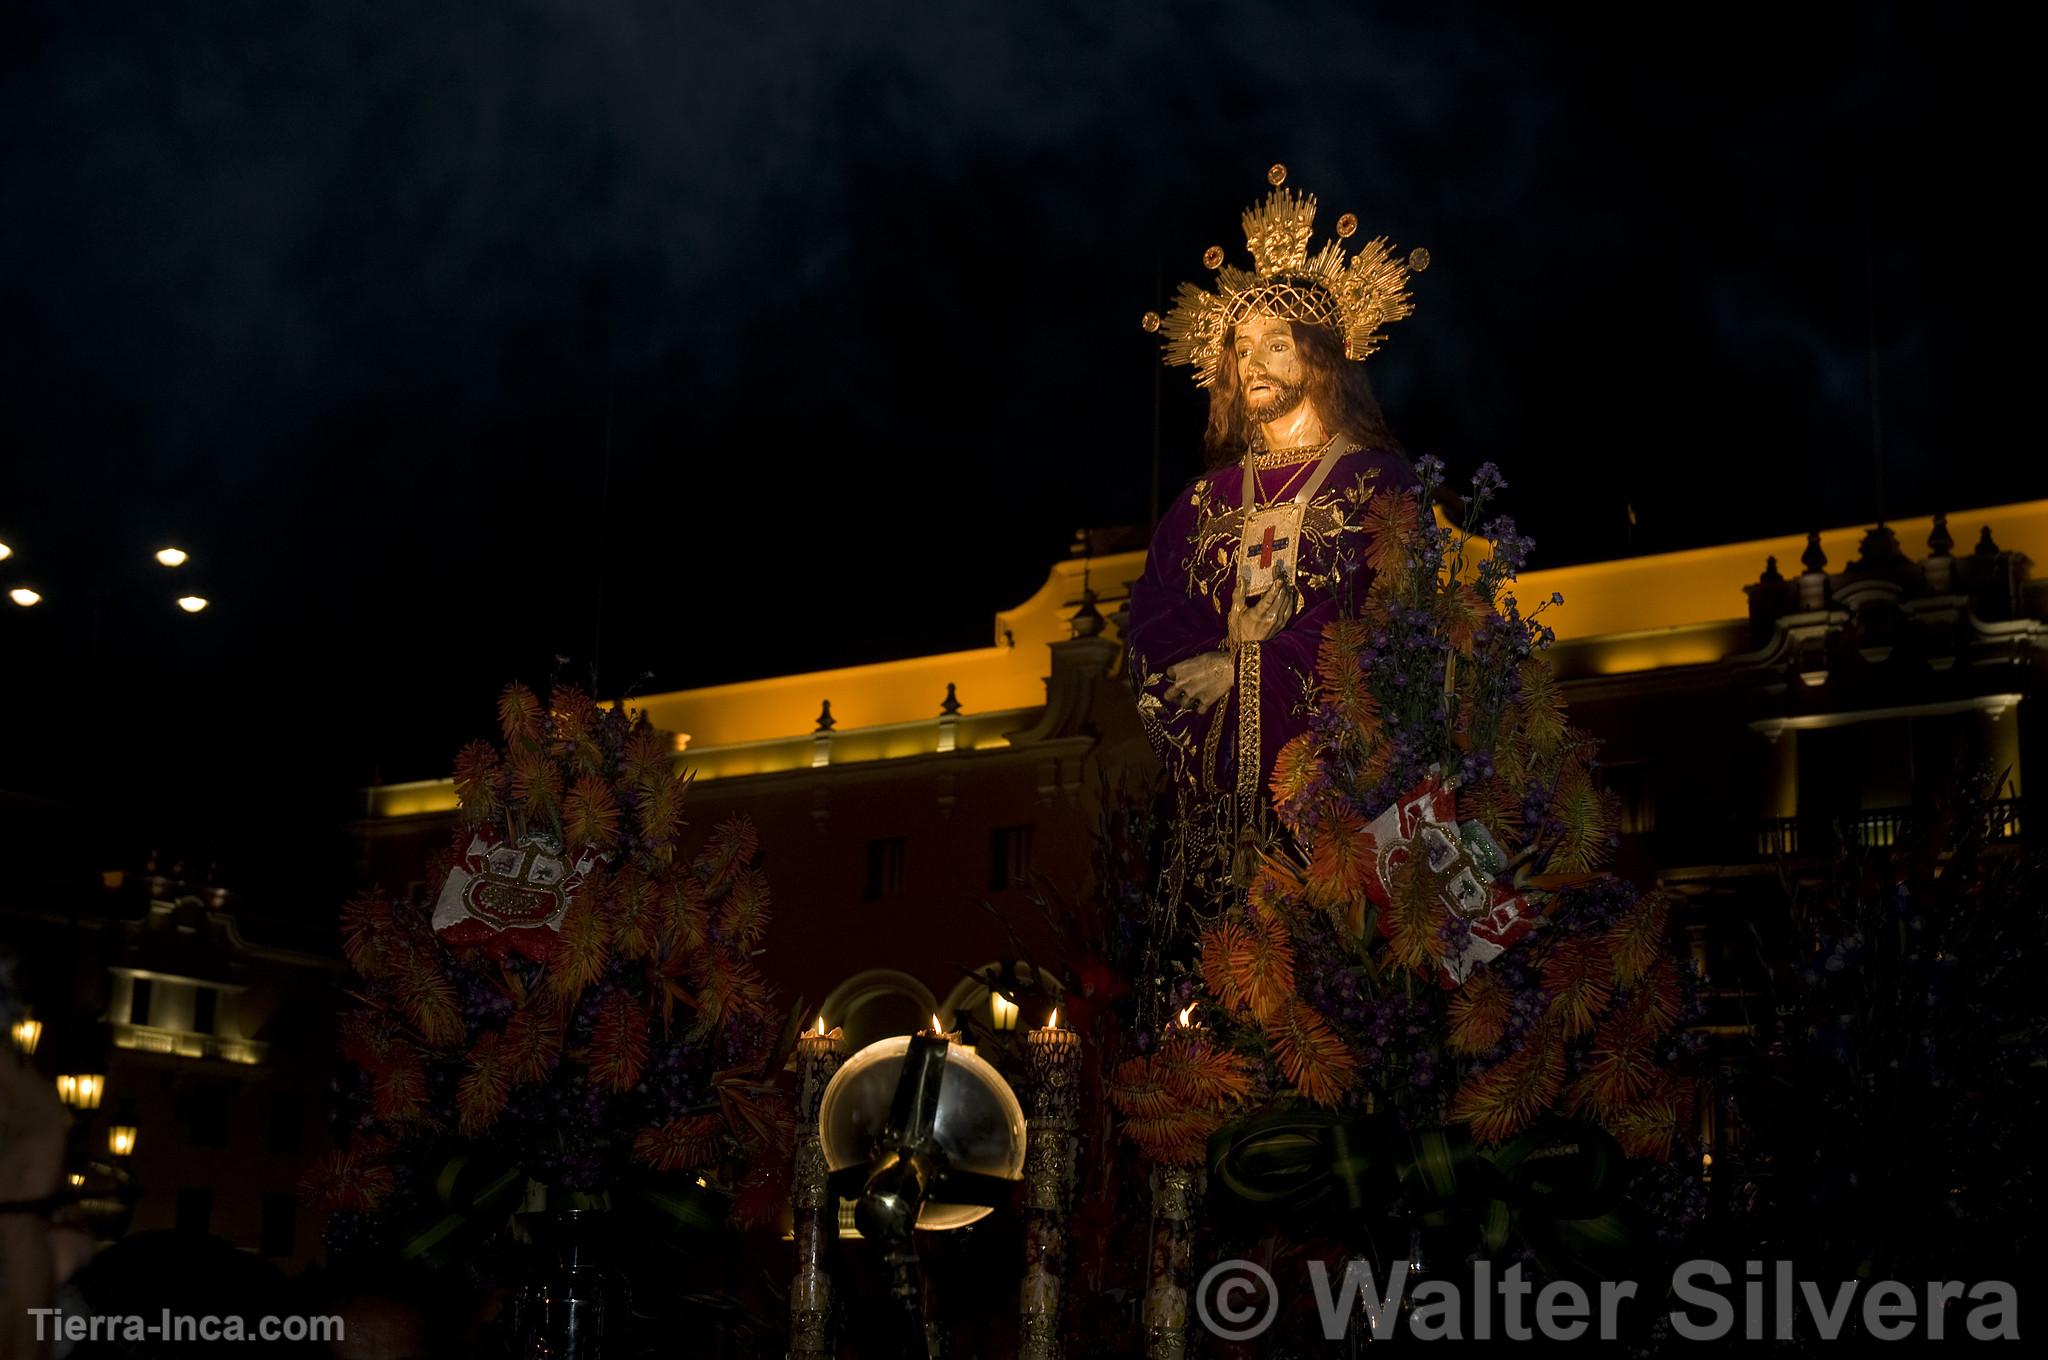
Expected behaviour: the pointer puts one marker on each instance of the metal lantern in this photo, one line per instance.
(977, 1126)
(81, 1091)
(928, 1135)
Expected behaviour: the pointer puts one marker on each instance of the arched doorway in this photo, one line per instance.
(878, 1004)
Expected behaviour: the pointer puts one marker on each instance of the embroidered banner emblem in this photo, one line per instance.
(1425, 822)
(510, 897)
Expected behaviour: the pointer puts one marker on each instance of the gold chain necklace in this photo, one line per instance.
(1280, 494)
(1278, 458)
(1301, 458)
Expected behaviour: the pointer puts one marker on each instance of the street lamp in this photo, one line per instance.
(81, 1091)
(121, 1140)
(1002, 1010)
(169, 555)
(28, 1032)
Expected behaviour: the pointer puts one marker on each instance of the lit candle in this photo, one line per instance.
(814, 1208)
(1052, 1058)
(818, 1055)
(1053, 1063)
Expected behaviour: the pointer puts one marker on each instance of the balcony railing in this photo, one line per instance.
(1873, 828)
(1777, 836)
(186, 1044)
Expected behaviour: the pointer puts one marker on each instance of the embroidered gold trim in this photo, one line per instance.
(1212, 744)
(1280, 458)
(1333, 513)
(1248, 735)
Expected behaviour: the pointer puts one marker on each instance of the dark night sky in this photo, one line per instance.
(353, 299)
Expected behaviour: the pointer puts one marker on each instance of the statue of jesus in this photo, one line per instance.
(1254, 558)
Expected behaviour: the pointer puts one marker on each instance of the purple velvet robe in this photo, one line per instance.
(1178, 609)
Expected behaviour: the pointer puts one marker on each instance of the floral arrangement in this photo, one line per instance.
(1891, 1101)
(578, 1008)
(1431, 938)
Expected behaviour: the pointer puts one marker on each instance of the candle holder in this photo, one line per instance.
(1176, 1197)
(814, 1208)
(1053, 1064)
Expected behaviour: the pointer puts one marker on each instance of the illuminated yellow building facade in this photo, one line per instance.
(1744, 712)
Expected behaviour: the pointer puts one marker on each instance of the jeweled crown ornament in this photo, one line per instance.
(1355, 295)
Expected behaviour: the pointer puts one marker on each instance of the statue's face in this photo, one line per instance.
(1269, 368)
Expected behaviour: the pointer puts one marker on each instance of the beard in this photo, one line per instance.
(1277, 400)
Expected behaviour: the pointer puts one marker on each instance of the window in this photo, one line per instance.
(195, 1209)
(286, 1121)
(1634, 786)
(205, 1002)
(138, 1001)
(280, 1224)
(1009, 857)
(885, 868)
(209, 1109)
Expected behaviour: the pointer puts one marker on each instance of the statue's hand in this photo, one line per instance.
(1263, 618)
(1200, 681)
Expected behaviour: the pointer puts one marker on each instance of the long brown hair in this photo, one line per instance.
(1338, 386)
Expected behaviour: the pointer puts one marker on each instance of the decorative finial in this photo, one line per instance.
(1770, 576)
(825, 722)
(1814, 559)
(1985, 547)
(952, 704)
(1939, 542)
(1276, 174)
(1879, 551)
(1087, 621)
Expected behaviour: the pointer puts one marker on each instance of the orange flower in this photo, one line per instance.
(590, 814)
(1578, 974)
(354, 1178)
(1506, 1098)
(1315, 1059)
(618, 1043)
(680, 1144)
(1478, 1013)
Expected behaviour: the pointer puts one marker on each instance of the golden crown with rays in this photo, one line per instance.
(1353, 294)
